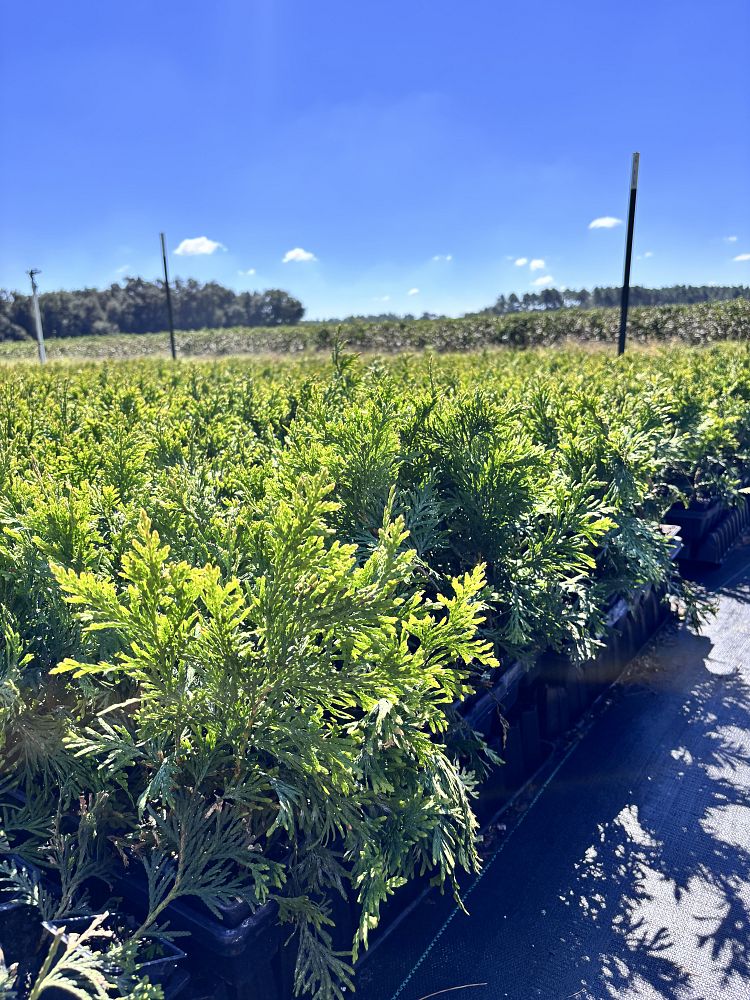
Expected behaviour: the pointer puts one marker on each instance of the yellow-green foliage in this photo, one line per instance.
(238, 599)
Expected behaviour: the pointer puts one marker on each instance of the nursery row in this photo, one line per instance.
(699, 324)
(240, 605)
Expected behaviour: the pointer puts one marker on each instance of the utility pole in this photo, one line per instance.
(169, 298)
(37, 315)
(628, 255)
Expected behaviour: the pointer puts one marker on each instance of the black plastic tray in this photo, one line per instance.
(696, 520)
(713, 547)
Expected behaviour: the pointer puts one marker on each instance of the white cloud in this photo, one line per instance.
(520, 261)
(124, 269)
(413, 291)
(250, 271)
(605, 222)
(649, 253)
(730, 239)
(546, 279)
(537, 264)
(742, 256)
(298, 255)
(443, 256)
(198, 245)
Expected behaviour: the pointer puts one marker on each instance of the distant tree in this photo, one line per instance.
(15, 316)
(271, 308)
(138, 306)
(551, 298)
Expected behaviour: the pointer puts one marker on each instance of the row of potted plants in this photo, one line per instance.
(240, 607)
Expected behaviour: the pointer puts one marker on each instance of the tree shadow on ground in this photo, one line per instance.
(673, 870)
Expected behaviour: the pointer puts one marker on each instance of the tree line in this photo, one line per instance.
(570, 298)
(606, 298)
(138, 306)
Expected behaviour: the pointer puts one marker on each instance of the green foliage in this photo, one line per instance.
(138, 306)
(609, 298)
(527, 325)
(238, 603)
(77, 965)
(7, 980)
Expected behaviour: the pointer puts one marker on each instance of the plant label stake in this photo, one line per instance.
(169, 298)
(628, 255)
(37, 315)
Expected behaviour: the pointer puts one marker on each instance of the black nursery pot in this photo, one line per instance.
(20, 933)
(20, 924)
(244, 954)
(160, 970)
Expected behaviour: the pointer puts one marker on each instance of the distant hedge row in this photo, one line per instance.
(698, 324)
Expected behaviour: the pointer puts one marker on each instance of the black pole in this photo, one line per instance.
(169, 298)
(628, 255)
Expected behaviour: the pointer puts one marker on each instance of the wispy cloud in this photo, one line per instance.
(742, 256)
(537, 264)
(644, 256)
(520, 261)
(605, 222)
(546, 279)
(298, 255)
(124, 269)
(649, 253)
(382, 298)
(250, 271)
(730, 239)
(413, 291)
(198, 246)
(443, 256)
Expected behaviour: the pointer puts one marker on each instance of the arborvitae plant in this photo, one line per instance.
(297, 707)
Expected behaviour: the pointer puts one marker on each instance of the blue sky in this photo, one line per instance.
(380, 139)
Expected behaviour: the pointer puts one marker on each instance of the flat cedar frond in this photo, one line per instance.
(203, 852)
(320, 971)
(26, 823)
(7, 979)
(76, 970)
(19, 885)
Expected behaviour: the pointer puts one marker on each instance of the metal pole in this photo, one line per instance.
(169, 298)
(37, 316)
(628, 255)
